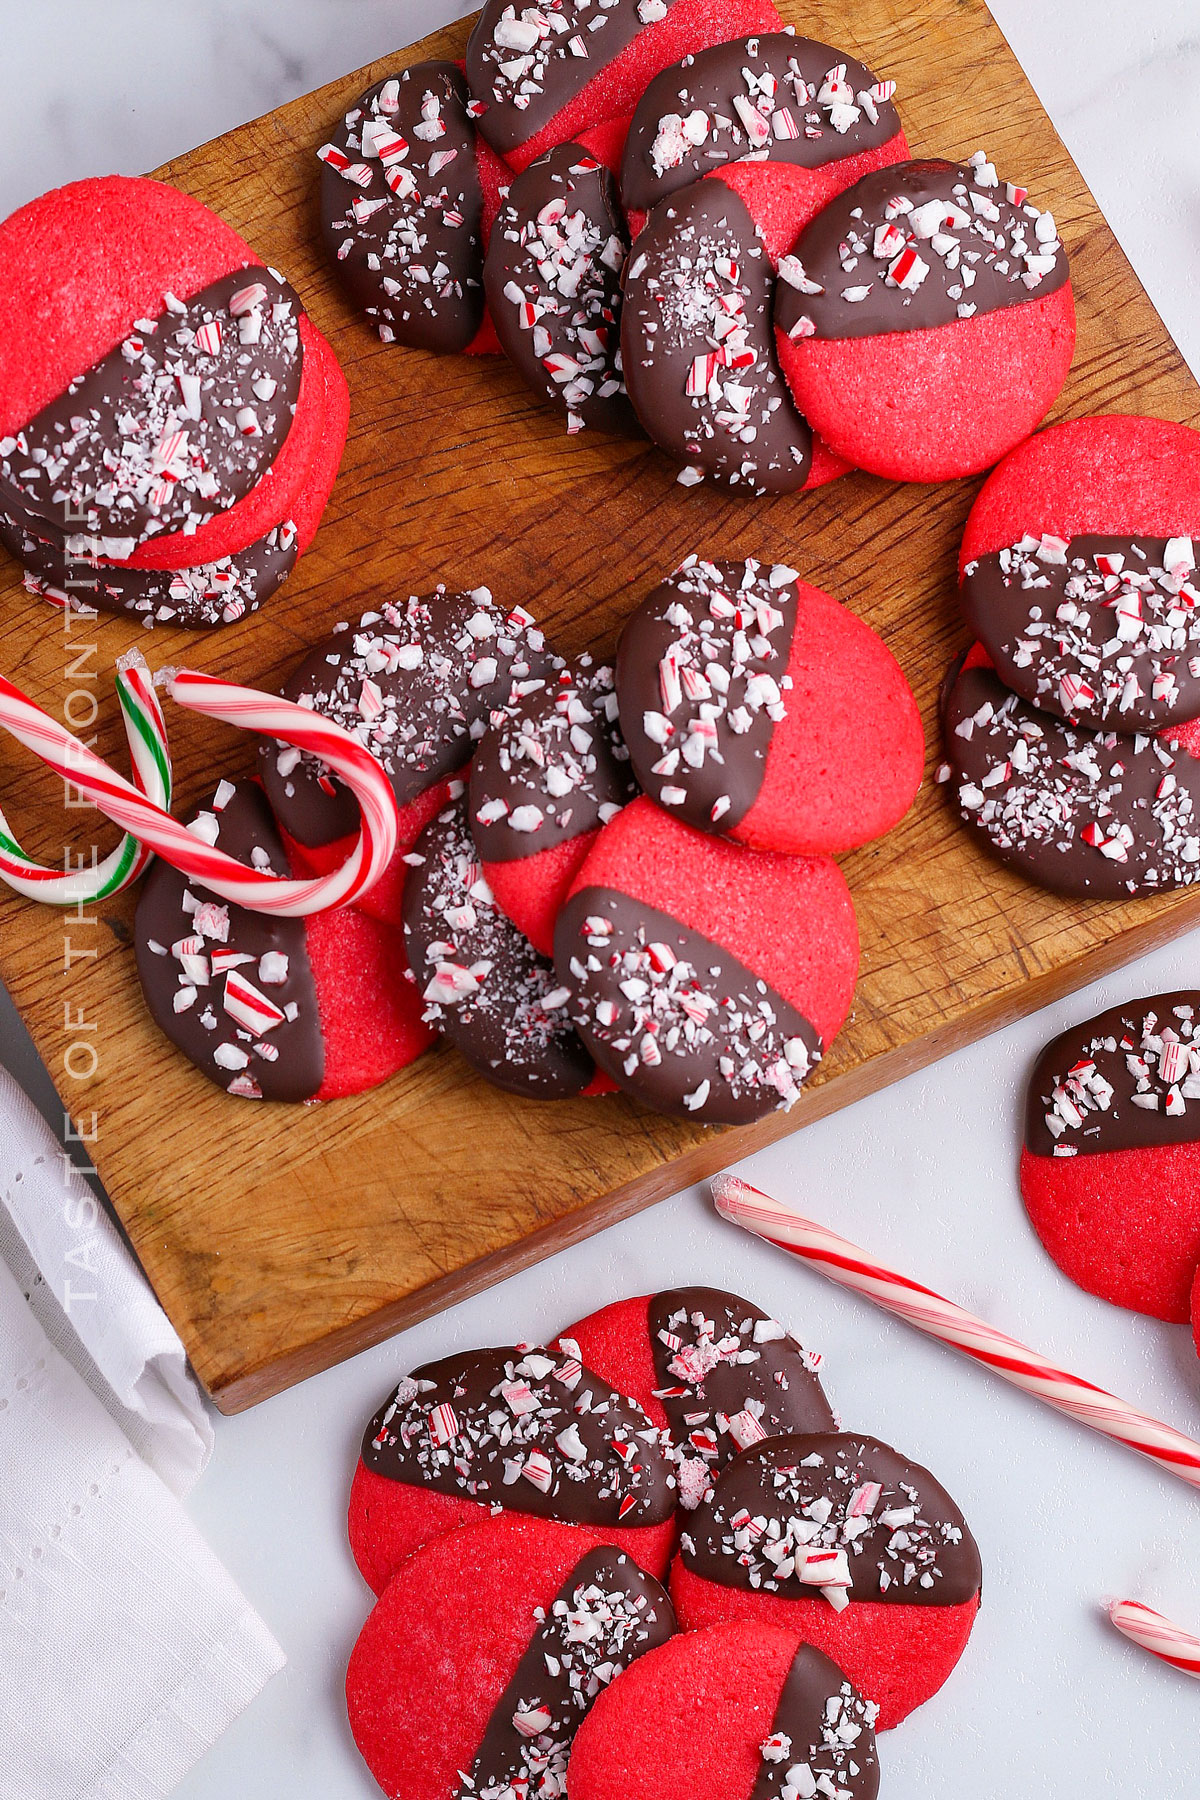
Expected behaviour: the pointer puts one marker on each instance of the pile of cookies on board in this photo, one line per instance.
(641, 1559)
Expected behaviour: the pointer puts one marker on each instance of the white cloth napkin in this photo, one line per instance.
(125, 1647)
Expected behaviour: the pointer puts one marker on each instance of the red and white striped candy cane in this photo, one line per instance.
(121, 802)
(1014, 1362)
(1143, 1626)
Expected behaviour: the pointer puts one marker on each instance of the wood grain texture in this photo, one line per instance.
(282, 1240)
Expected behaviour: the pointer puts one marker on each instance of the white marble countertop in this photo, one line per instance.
(1047, 1702)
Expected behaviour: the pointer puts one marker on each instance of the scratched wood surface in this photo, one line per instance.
(282, 1240)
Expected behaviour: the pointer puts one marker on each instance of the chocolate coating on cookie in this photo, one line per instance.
(231, 988)
(417, 682)
(526, 1429)
(702, 682)
(1103, 630)
(173, 426)
(526, 62)
(842, 1511)
(1127, 1079)
(698, 346)
(916, 245)
(199, 598)
(1080, 812)
(553, 283)
(553, 767)
(607, 1613)
(673, 1018)
(775, 98)
(727, 1375)
(822, 1739)
(402, 208)
(485, 986)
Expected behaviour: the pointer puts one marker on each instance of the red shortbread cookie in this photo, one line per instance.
(521, 1430)
(547, 775)
(141, 303)
(1078, 572)
(758, 707)
(540, 85)
(705, 979)
(272, 1008)
(697, 345)
(479, 1663)
(407, 187)
(1195, 1312)
(925, 320)
(788, 122)
(1110, 1164)
(204, 595)
(425, 675)
(1088, 813)
(713, 1369)
(735, 1712)
(862, 1553)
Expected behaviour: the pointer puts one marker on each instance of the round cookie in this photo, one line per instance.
(408, 193)
(200, 596)
(842, 1540)
(271, 1008)
(1079, 812)
(698, 348)
(736, 1712)
(417, 681)
(1195, 1312)
(117, 289)
(1110, 1164)
(477, 1666)
(1078, 572)
(758, 707)
(713, 1369)
(810, 119)
(553, 282)
(705, 979)
(484, 985)
(544, 76)
(521, 1430)
(925, 320)
(546, 776)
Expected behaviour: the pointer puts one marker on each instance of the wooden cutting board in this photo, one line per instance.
(281, 1240)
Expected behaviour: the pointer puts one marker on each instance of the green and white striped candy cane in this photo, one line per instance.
(146, 732)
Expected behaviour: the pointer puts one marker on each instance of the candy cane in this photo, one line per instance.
(1143, 1626)
(844, 1263)
(121, 802)
(146, 733)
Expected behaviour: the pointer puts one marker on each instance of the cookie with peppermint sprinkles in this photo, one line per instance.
(417, 681)
(546, 777)
(1110, 1164)
(271, 1008)
(545, 73)
(707, 980)
(1080, 812)
(698, 348)
(841, 1539)
(1078, 572)
(810, 119)
(477, 1666)
(925, 319)
(714, 1370)
(520, 1430)
(484, 986)
(760, 708)
(162, 397)
(403, 207)
(737, 1712)
(553, 283)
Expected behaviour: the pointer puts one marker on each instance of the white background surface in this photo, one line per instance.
(1047, 1701)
